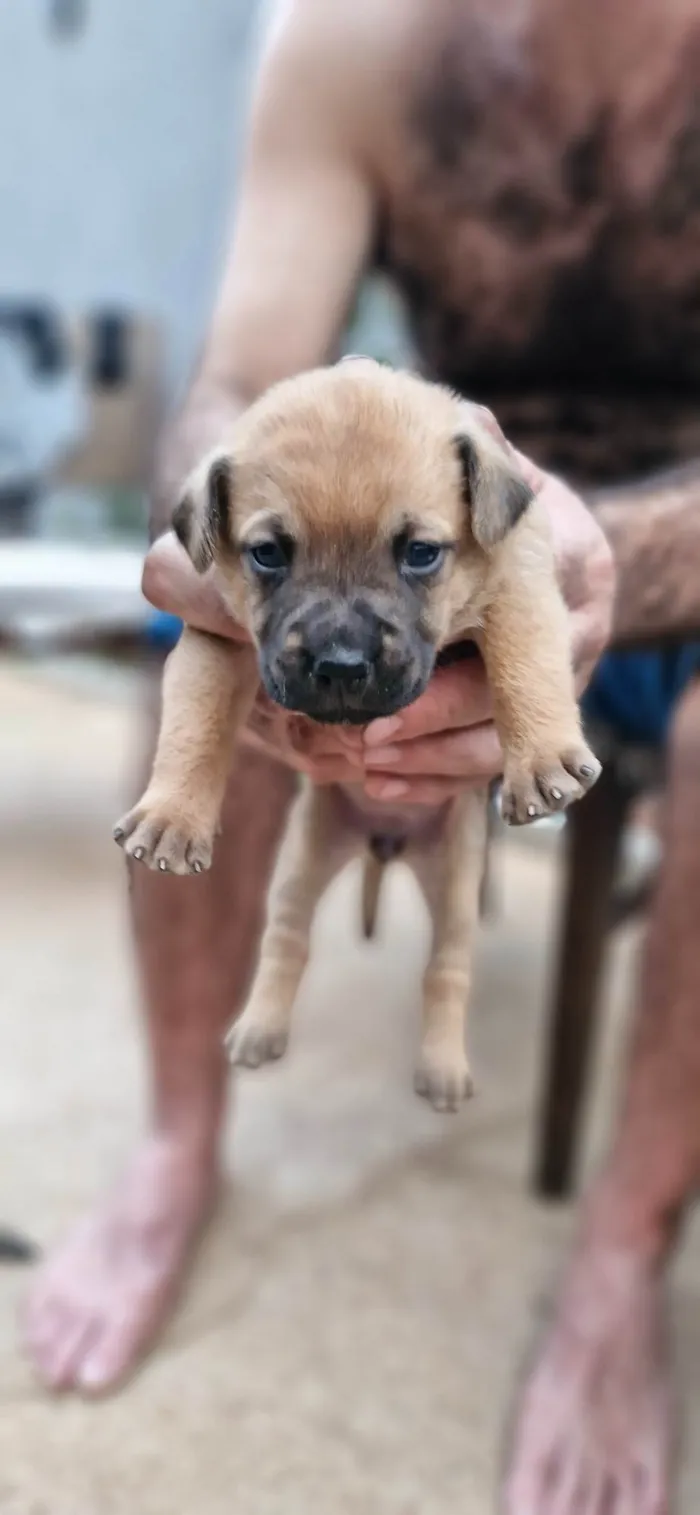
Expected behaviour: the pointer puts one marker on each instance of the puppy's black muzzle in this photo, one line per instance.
(350, 697)
(351, 668)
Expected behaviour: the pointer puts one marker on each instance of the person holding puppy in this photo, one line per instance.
(528, 177)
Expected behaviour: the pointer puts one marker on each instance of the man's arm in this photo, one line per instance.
(654, 531)
(301, 237)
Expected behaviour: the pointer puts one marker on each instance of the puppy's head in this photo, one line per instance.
(351, 515)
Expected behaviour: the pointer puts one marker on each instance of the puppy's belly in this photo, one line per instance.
(400, 822)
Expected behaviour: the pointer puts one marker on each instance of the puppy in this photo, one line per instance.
(360, 520)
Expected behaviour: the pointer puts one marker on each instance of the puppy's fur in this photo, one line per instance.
(360, 520)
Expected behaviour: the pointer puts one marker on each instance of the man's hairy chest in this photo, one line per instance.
(545, 230)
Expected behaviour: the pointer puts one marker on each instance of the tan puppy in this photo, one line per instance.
(360, 520)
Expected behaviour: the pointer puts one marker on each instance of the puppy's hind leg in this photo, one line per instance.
(318, 842)
(449, 871)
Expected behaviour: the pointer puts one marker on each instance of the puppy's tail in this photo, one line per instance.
(382, 849)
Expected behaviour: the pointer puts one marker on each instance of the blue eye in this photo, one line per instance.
(422, 557)
(269, 557)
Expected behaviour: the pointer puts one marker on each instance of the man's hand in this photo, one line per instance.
(426, 753)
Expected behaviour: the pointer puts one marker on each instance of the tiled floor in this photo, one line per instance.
(355, 1323)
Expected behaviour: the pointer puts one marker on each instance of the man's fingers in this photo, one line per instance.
(321, 743)
(170, 582)
(331, 771)
(472, 755)
(457, 696)
(324, 770)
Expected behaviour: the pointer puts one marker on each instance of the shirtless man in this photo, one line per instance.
(530, 175)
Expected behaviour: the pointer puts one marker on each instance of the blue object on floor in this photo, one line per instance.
(635, 692)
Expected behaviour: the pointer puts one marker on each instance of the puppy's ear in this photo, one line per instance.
(202, 519)
(495, 491)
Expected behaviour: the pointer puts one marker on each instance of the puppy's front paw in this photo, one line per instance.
(251, 1042)
(164, 838)
(443, 1078)
(546, 783)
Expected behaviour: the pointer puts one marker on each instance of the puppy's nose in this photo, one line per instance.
(341, 665)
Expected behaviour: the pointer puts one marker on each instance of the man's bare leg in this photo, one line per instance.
(594, 1434)
(101, 1297)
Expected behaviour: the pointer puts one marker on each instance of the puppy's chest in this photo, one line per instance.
(396, 825)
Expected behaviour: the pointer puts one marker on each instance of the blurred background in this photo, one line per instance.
(349, 1339)
(117, 191)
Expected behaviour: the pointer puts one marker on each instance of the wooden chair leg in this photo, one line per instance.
(594, 830)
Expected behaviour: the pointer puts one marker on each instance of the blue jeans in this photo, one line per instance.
(634, 693)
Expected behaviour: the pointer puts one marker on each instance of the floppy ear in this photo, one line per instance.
(202, 519)
(495, 492)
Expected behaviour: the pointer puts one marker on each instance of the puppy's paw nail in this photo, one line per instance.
(168, 841)
(582, 764)
(544, 784)
(118, 833)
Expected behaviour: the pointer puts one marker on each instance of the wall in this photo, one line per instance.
(118, 157)
(118, 151)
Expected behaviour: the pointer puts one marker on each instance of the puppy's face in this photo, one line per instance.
(351, 516)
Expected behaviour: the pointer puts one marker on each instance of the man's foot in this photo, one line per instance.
(593, 1435)
(101, 1298)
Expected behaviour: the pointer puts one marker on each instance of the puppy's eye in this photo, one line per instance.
(422, 557)
(269, 557)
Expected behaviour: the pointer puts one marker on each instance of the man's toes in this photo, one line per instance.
(645, 1492)
(546, 1487)
(115, 1350)
(53, 1330)
(104, 1365)
(43, 1320)
(67, 1353)
(604, 1493)
(525, 1493)
(572, 1491)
